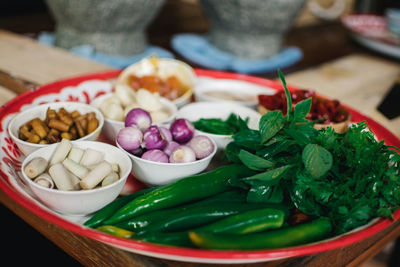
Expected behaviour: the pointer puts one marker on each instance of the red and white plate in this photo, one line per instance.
(85, 89)
(372, 32)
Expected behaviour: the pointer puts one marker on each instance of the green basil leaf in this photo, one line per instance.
(303, 134)
(270, 124)
(301, 110)
(254, 162)
(232, 152)
(270, 177)
(317, 160)
(249, 139)
(287, 93)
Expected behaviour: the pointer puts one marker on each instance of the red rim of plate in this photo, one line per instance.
(187, 253)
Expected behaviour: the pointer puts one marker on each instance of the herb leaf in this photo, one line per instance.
(317, 160)
(270, 124)
(288, 96)
(254, 162)
(270, 177)
(301, 110)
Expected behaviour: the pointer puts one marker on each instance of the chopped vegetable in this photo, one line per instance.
(44, 180)
(61, 152)
(155, 155)
(182, 154)
(233, 124)
(35, 167)
(166, 133)
(182, 130)
(202, 146)
(95, 176)
(154, 139)
(139, 117)
(171, 146)
(91, 157)
(130, 138)
(148, 100)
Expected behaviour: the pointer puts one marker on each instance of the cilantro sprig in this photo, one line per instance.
(350, 178)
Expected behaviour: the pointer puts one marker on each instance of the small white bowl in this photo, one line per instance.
(156, 173)
(112, 127)
(228, 90)
(81, 202)
(40, 112)
(163, 68)
(218, 110)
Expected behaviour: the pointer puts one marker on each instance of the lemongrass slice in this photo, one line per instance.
(75, 168)
(35, 167)
(76, 154)
(44, 180)
(91, 156)
(75, 182)
(95, 176)
(61, 152)
(109, 179)
(61, 177)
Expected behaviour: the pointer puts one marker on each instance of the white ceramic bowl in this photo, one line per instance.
(163, 67)
(83, 201)
(112, 127)
(40, 112)
(218, 110)
(157, 173)
(228, 90)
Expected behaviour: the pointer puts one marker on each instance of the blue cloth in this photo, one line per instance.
(199, 50)
(89, 52)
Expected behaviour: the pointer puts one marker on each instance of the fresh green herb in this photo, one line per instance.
(350, 178)
(231, 125)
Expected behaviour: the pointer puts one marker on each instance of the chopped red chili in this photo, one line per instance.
(322, 110)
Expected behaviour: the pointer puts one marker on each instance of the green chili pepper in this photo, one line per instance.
(242, 223)
(247, 222)
(199, 216)
(140, 222)
(285, 237)
(180, 239)
(185, 190)
(113, 230)
(100, 216)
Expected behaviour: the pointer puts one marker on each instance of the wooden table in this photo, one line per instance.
(341, 69)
